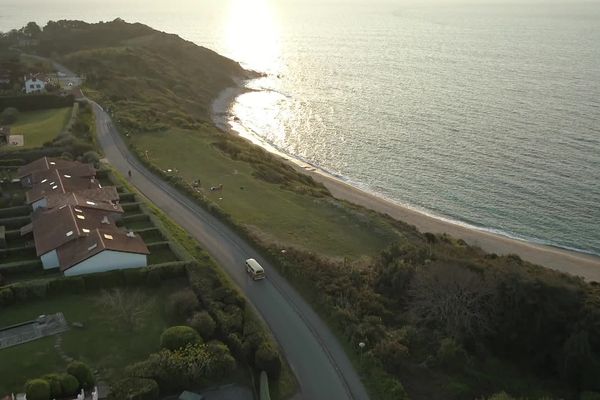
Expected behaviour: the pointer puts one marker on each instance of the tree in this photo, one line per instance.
(453, 298)
(125, 308)
(176, 337)
(203, 323)
(9, 116)
(451, 354)
(82, 372)
(91, 157)
(267, 359)
(32, 30)
(37, 389)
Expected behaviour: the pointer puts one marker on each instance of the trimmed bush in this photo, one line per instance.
(134, 389)
(267, 359)
(37, 389)
(24, 291)
(176, 337)
(21, 267)
(135, 276)
(204, 324)
(104, 280)
(55, 386)
(69, 384)
(60, 286)
(82, 372)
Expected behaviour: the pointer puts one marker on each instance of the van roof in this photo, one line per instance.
(254, 264)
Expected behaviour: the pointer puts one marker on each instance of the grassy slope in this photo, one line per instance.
(99, 343)
(39, 127)
(282, 216)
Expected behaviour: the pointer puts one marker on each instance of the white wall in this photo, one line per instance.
(50, 259)
(38, 86)
(106, 261)
(43, 202)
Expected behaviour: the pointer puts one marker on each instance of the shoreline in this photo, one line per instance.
(568, 261)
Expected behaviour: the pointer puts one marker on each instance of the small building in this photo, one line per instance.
(103, 250)
(54, 228)
(34, 84)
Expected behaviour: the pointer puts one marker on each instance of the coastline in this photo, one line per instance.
(580, 264)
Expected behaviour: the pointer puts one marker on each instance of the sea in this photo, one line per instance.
(485, 113)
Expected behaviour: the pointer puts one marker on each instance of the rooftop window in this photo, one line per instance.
(70, 233)
(80, 216)
(91, 203)
(85, 230)
(107, 236)
(92, 247)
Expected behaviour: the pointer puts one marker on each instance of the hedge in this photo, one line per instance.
(36, 102)
(15, 222)
(39, 289)
(12, 162)
(127, 197)
(17, 211)
(176, 337)
(82, 372)
(37, 389)
(20, 252)
(20, 267)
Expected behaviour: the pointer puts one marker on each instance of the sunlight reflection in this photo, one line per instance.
(253, 35)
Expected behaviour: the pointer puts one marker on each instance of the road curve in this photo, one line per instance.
(320, 364)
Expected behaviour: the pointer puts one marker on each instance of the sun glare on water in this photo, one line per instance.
(252, 35)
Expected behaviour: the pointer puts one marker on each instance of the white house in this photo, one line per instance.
(33, 84)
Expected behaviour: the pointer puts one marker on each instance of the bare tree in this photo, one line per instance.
(454, 298)
(125, 308)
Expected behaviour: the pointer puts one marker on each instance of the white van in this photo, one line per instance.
(254, 269)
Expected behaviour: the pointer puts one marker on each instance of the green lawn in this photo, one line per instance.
(39, 127)
(317, 224)
(102, 343)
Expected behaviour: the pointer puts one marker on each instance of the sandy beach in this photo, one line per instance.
(579, 264)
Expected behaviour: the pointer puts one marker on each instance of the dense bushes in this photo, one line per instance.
(134, 389)
(176, 337)
(30, 290)
(36, 102)
(267, 359)
(203, 323)
(82, 373)
(37, 389)
(180, 306)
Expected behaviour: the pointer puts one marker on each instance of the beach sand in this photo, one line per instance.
(579, 264)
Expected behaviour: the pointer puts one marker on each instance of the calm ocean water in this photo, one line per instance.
(485, 114)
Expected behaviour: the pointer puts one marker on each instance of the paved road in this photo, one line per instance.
(316, 357)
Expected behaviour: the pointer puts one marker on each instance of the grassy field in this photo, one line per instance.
(101, 342)
(39, 127)
(317, 224)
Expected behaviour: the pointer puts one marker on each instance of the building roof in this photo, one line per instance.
(45, 164)
(54, 181)
(56, 227)
(105, 198)
(97, 241)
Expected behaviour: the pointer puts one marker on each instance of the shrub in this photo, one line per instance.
(55, 386)
(9, 116)
(153, 278)
(82, 372)
(69, 384)
(6, 296)
(220, 360)
(176, 337)
(501, 396)
(203, 323)
(451, 354)
(134, 389)
(181, 305)
(582, 396)
(91, 157)
(267, 359)
(37, 389)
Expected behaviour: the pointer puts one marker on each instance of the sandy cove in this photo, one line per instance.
(580, 264)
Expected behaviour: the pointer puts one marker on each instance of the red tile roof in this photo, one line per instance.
(55, 182)
(104, 198)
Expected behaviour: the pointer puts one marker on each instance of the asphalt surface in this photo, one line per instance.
(321, 366)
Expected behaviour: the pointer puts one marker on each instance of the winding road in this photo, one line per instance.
(321, 366)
